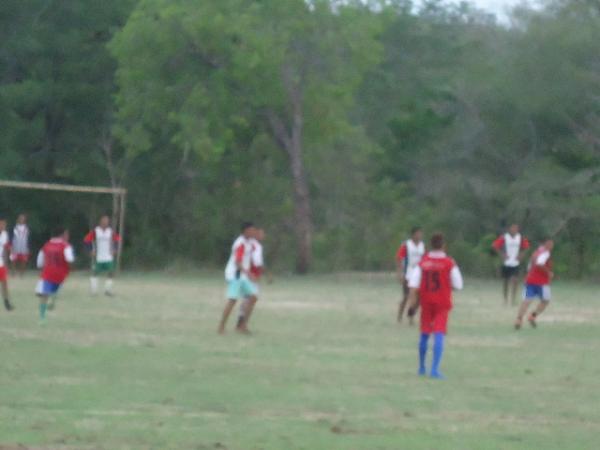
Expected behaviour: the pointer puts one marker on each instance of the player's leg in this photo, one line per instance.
(529, 293)
(250, 291)
(233, 293)
(426, 330)
(242, 310)
(440, 325)
(505, 284)
(108, 282)
(94, 279)
(22, 264)
(4, 288)
(545, 296)
(404, 301)
(42, 293)
(226, 312)
(514, 285)
(412, 312)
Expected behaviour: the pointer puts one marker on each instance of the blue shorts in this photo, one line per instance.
(46, 288)
(241, 288)
(533, 291)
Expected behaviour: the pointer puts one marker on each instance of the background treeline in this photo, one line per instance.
(336, 124)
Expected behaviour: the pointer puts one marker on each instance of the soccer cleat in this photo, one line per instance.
(422, 372)
(437, 376)
(531, 320)
(8, 305)
(109, 294)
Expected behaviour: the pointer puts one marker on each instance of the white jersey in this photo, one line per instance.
(257, 254)
(104, 241)
(512, 247)
(3, 244)
(241, 251)
(20, 242)
(411, 253)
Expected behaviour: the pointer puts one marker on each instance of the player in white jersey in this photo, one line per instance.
(408, 258)
(237, 276)
(20, 245)
(257, 265)
(4, 249)
(102, 243)
(511, 247)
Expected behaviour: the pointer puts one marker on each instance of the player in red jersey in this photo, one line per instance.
(511, 247)
(434, 279)
(537, 283)
(54, 259)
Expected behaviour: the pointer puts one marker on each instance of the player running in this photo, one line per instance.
(511, 247)
(434, 279)
(408, 257)
(257, 265)
(537, 283)
(20, 245)
(102, 242)
(237, 276)
(4, 249)
(54, 259)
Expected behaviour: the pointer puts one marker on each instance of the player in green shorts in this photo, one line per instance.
(102, 242)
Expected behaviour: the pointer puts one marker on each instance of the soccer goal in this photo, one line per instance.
(119, 194)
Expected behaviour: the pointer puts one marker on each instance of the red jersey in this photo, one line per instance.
(56, 267)
(540, 267)
(436, 280)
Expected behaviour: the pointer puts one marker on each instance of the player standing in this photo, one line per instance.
(257, 265)
(102, 242)
(4, 249)
(20, 245)
(237, 276)
(511, 246)
(537, 283)
(434, 279)
(54, 259)
(408, 257)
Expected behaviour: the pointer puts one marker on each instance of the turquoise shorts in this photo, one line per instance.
(241, 288)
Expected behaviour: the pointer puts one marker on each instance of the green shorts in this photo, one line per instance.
(104, 267)
(241, 288)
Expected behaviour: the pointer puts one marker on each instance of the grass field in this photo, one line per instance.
(327, 368)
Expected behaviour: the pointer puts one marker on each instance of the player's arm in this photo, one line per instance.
(69, 255)
(456, 278)
(239, 259)
(89, 242)
(499, 247)
(116, 240)
(541, 263)
(524, 247)
(40, 259)
(401, 263)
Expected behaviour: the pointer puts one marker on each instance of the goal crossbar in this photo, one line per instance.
(120, 192)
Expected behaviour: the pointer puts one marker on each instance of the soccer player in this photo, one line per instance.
(434, 279)
(408, 257)
(4, 249)
(20, 245)
(54, 259)
(102, 243)
(237, 276)
(257, 265)
(511, 247)
(537, 283)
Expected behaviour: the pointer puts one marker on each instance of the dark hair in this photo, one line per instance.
(413, 230)
(437, 241)
(246, 225)
(58, 231)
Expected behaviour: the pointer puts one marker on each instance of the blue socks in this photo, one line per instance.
(422, 352)
(438, 352)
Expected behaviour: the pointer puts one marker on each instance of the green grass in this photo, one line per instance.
(327, 368)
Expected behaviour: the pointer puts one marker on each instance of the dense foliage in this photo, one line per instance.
(336, 125)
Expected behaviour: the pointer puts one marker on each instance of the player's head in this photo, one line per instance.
(513, 230)
(22, 218)
(248, 229)
(2, 224)
(104, 221)
(438, 242)
(259, 234)
(548, 243)
(416, 233)
(60, 232)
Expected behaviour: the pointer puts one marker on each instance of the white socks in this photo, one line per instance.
(108, 285)
(94, 285)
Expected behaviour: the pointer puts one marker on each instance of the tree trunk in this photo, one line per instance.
(291, 143)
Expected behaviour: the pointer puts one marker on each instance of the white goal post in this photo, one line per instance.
(120, 193)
